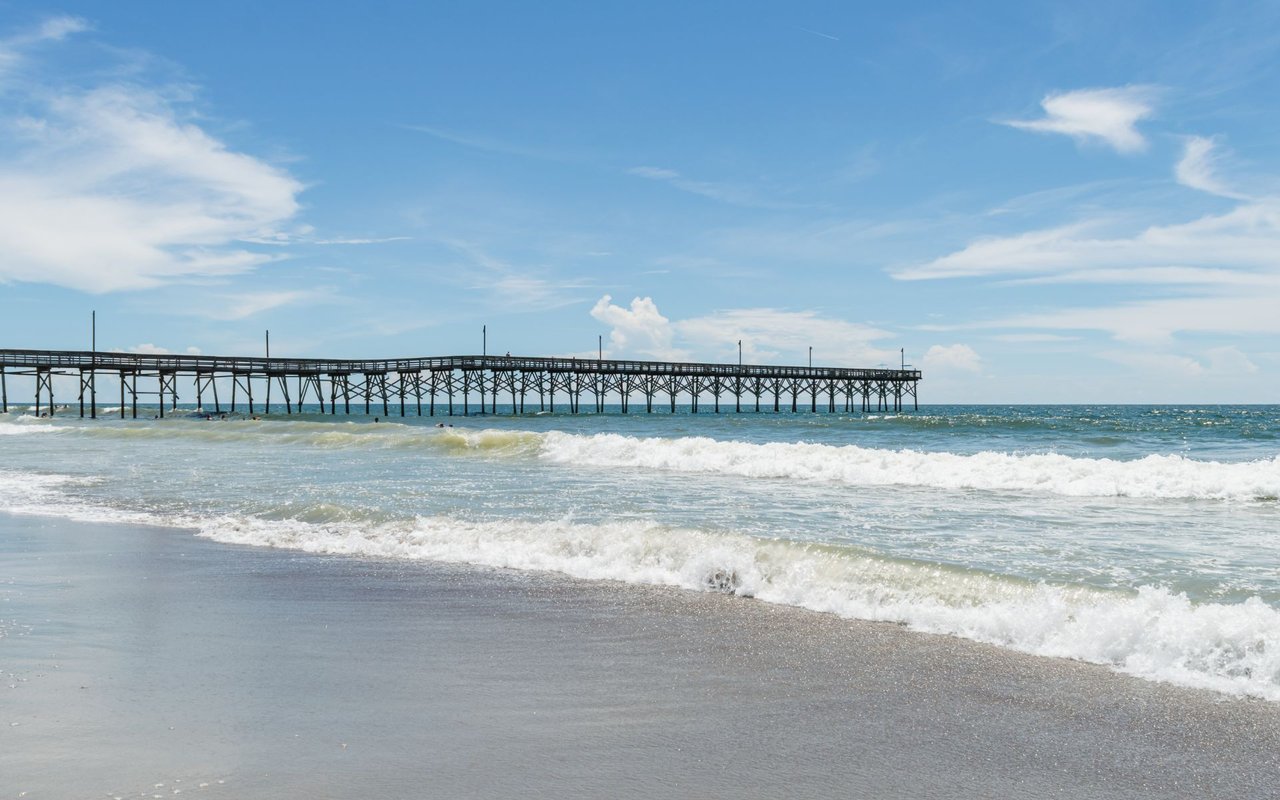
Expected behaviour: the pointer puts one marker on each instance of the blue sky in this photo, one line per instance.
(1039, 202)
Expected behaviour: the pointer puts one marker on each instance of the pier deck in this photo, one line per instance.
(449, 384)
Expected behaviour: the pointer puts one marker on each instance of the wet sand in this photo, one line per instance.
(145, 662)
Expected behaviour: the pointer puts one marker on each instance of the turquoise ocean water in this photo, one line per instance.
(1146, 539)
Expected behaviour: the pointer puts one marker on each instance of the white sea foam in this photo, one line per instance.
(324, 435)
(1156, 476)
(18, 425)
(22, 430)
(1153, 634)
(1152, 477)
(46, 495)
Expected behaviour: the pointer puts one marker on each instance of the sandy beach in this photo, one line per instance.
(143, 661)
(622, 401)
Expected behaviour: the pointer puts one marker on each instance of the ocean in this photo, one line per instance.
(1142, 538)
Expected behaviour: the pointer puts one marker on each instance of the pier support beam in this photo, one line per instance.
(168, 385)
(284, 389)
(133, 394)
(44, 382)
(84, 380)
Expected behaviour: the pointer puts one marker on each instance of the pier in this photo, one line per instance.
(449, 385)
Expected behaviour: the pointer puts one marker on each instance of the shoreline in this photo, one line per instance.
(147, 656)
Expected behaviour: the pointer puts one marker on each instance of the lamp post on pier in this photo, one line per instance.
(93, 369)
(484, 352)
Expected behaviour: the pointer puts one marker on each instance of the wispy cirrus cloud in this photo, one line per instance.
(1197, 169)
(488, 144)
(247, 304)
(359, 241)
(117, 186)
(533, 293)
(720, 192)
(517, 288)
(1159, 320)
(1033, 338)
(1233, 286)
(1216, 274)
(1106, 116)
(53, 29)
(1225, 361)
(1245, 238)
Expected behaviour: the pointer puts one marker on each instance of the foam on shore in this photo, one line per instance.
(1153, 633)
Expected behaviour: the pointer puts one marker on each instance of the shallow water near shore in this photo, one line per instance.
(144, 662)
(1139, 538)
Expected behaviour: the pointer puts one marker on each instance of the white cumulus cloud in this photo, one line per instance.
(639, 328)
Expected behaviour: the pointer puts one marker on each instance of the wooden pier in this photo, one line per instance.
(450, 384)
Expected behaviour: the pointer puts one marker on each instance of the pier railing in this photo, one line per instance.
(458, 378)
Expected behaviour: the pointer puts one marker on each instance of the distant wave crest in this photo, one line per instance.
(1155, 476)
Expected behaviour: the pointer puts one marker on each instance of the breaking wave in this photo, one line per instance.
(1153, 634)
(1155, 476)
(320, 434)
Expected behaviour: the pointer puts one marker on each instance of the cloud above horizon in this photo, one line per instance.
(1216, 274)
(1197, 169)
(1106, 116)
(720, 192)
(952, 358)
(54, 29)
(116, 186)
(766, 334)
